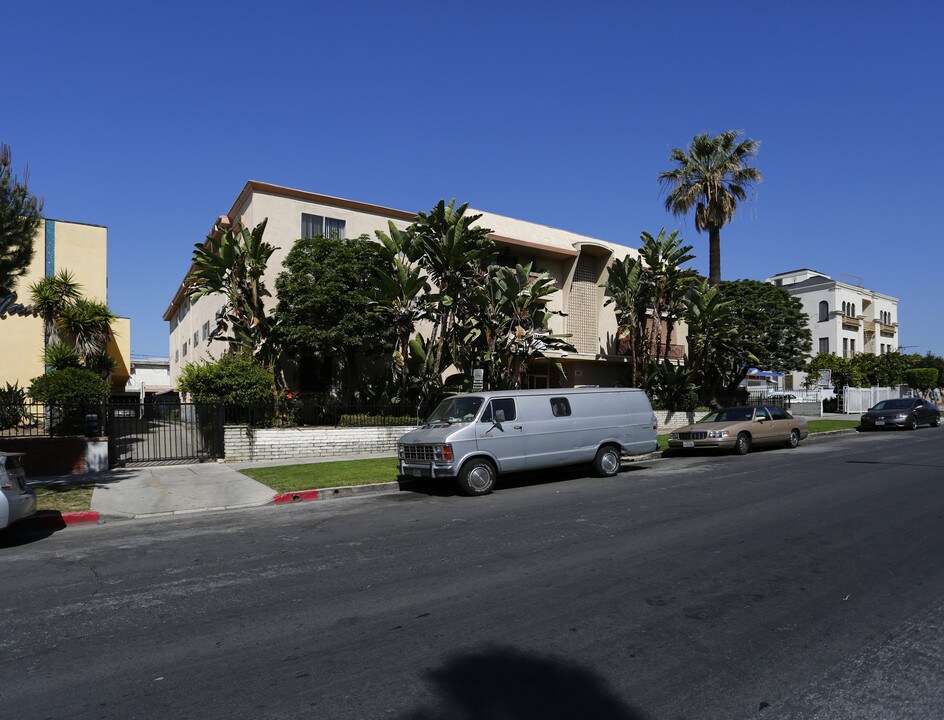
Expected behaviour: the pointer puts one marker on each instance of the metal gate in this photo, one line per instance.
(156, 433)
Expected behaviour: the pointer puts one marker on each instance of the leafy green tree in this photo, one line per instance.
(19, 220)
(455, 253)
(231, 262)
(921, 379)
(713, 343)
(671, 386)
(235, 378)
(843, 372)
(882, 370)
(324, 308)
(70, 386)
(711, 177)
(771, 327)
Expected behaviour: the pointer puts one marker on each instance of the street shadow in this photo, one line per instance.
(40, 526)
(447, 487)
(507, 683)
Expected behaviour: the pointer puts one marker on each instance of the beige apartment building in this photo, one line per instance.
(578, 263)
(59, 245)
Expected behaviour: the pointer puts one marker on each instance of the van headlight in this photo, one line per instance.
(717, 433)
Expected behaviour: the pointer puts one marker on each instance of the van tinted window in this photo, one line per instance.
(507, 405)
(560, 407)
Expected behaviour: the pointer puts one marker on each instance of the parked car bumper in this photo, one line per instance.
(707, 444)
(882, 423)
(427, 469)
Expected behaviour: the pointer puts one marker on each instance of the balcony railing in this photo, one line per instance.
(675, 352)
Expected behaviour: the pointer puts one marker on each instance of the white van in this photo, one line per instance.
(476, 437)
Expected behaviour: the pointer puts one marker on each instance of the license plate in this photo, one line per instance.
(416, 472)
(688, 443)
(879, 422)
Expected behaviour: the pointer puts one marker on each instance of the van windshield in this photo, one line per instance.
(457, 409)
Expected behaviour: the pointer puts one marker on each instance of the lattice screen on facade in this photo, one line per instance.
(582, 312)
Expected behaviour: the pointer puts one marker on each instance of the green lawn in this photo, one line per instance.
(818, 426)
(66, 497)
(286, 478)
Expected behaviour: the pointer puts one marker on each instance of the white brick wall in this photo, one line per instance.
(286, 443)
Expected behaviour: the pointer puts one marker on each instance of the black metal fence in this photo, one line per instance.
(52, 420)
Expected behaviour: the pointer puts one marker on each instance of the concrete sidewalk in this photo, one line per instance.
(180, 489)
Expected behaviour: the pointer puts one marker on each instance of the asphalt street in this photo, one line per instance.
(801, 583)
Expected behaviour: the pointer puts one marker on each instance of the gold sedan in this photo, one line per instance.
(740, 428)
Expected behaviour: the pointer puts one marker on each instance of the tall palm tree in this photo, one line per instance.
(711, 177)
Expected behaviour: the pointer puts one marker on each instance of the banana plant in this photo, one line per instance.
(231, 262)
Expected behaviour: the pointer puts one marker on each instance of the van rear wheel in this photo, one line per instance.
(607, 461)
(477, 477)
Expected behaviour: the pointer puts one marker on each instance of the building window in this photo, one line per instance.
(845, 347)
(852, 346)
(183, 350)
(823, 311)
(176, 356)
(315, 225)
(824, 345)
(206, 329)
(196, 340)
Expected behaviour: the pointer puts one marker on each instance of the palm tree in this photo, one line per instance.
(668, 283)
(712, 177)
(51, 296)
(87, 324)
(627, 292)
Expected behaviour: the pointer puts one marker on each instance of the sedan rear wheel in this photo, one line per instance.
(911, 423)
(794, 438)
(936, 421)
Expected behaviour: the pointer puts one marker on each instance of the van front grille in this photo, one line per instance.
(694, 435)
(418, 453)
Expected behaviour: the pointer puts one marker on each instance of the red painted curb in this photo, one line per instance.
(297, 496)
(80, 517)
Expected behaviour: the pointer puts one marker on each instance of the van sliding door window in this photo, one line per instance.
(560, 407)
(505, 404)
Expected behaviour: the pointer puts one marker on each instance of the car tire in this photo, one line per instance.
(742, 446)
(607, 461)
(911, 423)
(936, 422)
(794, 439)
(477, 477)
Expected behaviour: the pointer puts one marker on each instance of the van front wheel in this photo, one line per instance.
(477, 477)
(607, 461)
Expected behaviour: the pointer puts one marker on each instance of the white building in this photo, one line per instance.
(577, 262)
(149, 376)
(844, 319)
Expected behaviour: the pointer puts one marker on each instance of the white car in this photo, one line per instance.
(17, 499)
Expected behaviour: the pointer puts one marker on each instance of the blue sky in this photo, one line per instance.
(149, 119)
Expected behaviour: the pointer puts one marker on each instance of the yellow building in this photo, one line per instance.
(82, 250)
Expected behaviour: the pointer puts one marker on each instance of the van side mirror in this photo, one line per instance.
(499, 417)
